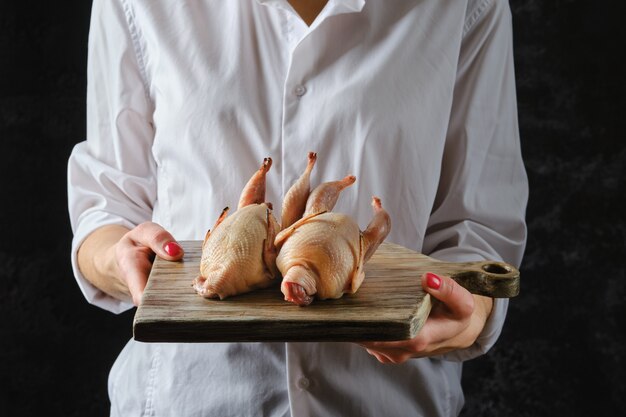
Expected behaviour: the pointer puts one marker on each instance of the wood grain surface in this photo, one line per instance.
(390, 305)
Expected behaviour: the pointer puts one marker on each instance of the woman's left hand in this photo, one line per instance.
(455, 321)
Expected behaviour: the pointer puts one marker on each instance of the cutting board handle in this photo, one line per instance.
(489, 278)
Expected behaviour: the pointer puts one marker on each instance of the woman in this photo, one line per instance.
(415, 98)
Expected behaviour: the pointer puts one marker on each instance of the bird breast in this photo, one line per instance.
(234, 248)
(329, 245)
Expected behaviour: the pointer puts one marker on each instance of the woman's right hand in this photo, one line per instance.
(118, 260)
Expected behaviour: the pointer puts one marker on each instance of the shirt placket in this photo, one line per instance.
(295, 90)
(298, 101)
(294, 148)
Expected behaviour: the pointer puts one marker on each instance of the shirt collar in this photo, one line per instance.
(348, 5)
(339, 6)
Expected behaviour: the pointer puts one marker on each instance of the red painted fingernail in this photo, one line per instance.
(433, 281)
(172, 248)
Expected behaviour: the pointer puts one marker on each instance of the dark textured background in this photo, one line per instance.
(563, 349)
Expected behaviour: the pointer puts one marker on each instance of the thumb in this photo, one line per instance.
(458, 301)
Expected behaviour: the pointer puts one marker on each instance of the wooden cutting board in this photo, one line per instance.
(390, 305)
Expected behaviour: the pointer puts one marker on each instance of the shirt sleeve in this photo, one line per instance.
(111, 175)
(479, 210)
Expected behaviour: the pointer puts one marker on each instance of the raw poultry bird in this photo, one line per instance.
(322, 255)
(238, 254)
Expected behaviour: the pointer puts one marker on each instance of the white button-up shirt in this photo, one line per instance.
(186, 98)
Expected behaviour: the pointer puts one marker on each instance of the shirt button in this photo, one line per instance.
(300, 90)
(303, 383)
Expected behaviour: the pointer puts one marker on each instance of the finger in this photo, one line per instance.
(159, 240)
(458, 301)
(395, 356)
(393, 352)
(379, 356)
(422, 343)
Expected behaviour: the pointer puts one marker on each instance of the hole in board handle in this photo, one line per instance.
(496, 269)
